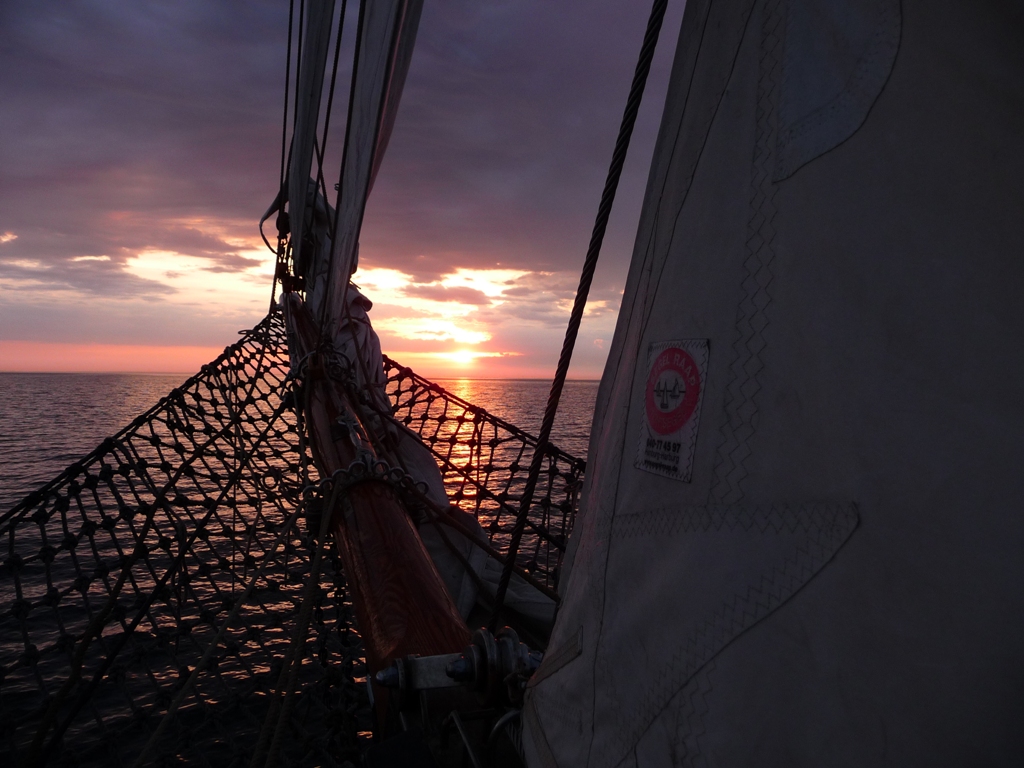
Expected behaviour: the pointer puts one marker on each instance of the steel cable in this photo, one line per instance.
(636, 92)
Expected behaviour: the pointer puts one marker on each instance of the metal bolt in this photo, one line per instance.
(389, 678)
(461, 670)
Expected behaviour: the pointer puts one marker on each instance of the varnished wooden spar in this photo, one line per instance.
(401, 602)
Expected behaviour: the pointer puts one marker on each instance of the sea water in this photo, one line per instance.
(49, 420)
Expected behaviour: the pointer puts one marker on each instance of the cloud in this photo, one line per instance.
(431, 328)
(142, 143)
(134, 127)
(506, 317)
(438, 292)
(95, 274)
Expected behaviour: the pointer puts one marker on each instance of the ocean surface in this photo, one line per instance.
(48, 420)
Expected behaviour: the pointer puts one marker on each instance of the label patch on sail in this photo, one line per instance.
(675, 388)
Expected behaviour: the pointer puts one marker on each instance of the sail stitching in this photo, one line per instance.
(742, 394)
(598, 526)
(803, 141)
(736, 615)
(555, 659)
(768, 519)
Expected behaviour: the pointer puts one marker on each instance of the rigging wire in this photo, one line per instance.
(321, 150)
(284, 152)
(287, 88)
(295, 118)
(318, 147)
(298, 63)
(280, 201)
(382, 107)
(636, 92)
(295, 115)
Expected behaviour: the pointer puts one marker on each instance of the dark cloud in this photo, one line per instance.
(505, 135)
(122, 120)
(143, 125)
(101, 277)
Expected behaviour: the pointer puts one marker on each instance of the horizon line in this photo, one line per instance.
(192, 373)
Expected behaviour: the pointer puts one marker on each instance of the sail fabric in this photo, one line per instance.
(830, 81)
(316, 246)
(799, 540)
(387, 36)
(316, 44)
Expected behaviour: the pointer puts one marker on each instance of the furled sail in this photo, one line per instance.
(317, 40)
(387, 32)
(385, 40)
(801, 528)
(387, 36)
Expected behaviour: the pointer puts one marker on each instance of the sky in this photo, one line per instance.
(140, 144)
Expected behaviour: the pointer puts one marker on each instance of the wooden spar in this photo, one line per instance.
(400, 600)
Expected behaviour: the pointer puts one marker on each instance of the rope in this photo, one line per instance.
(201, 666)
(100, 619)
(636, 92)
(279, 251)
(265, 757)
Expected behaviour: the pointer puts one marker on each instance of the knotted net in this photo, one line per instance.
(122, 580)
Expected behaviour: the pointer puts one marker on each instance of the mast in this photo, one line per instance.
(401, 602)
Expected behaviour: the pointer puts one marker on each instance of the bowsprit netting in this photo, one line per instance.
(125, 566)
(485, 461)
(118, 575)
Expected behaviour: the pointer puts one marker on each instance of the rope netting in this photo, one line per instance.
(485, 462)
(122, 580)
(121, 570)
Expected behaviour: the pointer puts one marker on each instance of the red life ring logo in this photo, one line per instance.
(673, 390)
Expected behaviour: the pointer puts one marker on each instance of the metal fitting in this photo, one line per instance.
(495, 666)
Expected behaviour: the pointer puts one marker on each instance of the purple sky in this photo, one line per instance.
(141, 143)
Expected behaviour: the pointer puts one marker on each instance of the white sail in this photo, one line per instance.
(388, 33)
(801, 533)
